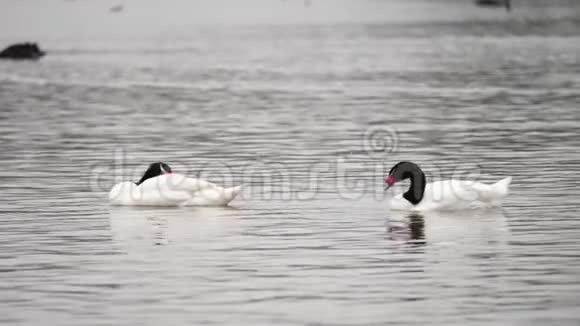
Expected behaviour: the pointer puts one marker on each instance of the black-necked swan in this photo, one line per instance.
(442, 195)
(160, 187)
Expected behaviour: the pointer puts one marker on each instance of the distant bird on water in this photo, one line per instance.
(22, 51)
(495, 3)
(116, 9)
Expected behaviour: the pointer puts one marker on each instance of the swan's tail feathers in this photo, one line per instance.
(231, 193)
(214, 196)
(501, 187)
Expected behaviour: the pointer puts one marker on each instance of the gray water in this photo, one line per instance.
(309, 118)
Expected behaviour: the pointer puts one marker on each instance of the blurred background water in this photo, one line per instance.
(280, 96)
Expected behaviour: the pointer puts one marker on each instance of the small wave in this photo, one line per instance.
(23, 80)
(168, 85)
(122, 51)
(122, 84)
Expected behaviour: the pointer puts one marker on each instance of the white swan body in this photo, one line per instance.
(171, 190)
(451, 195)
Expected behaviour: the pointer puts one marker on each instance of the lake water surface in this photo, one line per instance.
(309, 118)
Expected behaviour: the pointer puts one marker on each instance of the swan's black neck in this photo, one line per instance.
(416, 191)
(409, 170)
(154, 170)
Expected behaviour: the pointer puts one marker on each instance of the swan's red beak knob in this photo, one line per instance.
(389, 181)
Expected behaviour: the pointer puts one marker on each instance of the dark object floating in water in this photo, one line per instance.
(495, 3)
(22, 51)
(118, 8)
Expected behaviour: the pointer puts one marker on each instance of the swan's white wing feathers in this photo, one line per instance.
(456, 195)
(172, 190)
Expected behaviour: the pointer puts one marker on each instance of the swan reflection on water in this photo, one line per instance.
(159, 229)
(453, 250)
(142, 227)
(412, 229)
(467, 227)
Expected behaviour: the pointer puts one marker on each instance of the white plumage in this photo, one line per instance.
(160, 187)
(451, 195)
(447, 195)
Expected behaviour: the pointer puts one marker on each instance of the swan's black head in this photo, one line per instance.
(155, 170)
(408, 170)
(401, 171)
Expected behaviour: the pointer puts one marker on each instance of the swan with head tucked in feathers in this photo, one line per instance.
(160, 187)
(442, 195)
